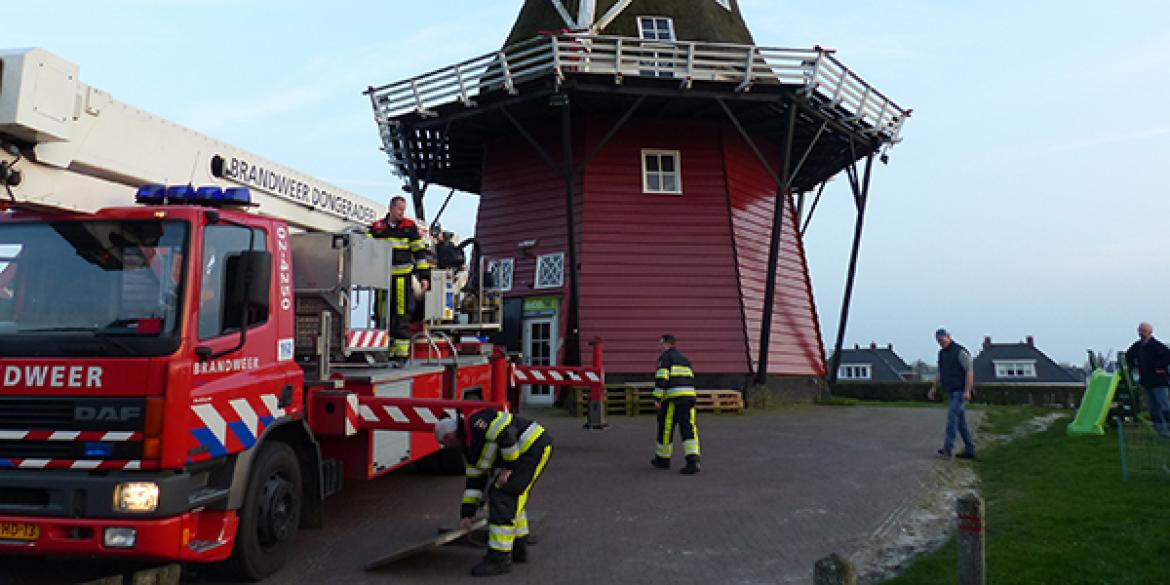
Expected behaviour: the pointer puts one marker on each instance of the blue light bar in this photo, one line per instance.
(210, 195)
(99, 449)
(237, 196)
(180, 194)
(151, 194)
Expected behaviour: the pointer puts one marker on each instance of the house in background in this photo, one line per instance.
(873, 364)
(1019, 363)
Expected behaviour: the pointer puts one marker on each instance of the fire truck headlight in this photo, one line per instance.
(136, 496)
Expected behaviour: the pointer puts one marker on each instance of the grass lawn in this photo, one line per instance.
(1059, 513)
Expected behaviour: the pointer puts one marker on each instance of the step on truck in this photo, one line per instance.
(192, 338)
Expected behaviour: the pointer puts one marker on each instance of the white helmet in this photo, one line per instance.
(444, 427)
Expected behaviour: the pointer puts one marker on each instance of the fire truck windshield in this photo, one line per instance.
(100, 287)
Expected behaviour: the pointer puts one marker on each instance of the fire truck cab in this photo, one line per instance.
(189, 339)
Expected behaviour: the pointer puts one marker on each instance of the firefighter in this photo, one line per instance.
(409, 257)
(519, 449)
(674, 395)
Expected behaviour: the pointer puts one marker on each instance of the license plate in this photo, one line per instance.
(19, 531)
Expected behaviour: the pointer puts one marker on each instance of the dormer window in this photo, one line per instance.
(656, 28)
(726, 4)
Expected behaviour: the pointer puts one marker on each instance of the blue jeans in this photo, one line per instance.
(1158, 401)
(957, 418)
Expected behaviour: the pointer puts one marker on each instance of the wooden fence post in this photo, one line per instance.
(972, 563)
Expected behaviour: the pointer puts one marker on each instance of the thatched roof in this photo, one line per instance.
(694, 20)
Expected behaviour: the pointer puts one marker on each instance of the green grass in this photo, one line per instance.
(1059, 513)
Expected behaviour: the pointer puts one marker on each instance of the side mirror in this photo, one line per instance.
(249, 282)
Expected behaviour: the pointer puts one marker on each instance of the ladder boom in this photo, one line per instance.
(84, 150)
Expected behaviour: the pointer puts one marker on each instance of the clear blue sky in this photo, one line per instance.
(1027, 199)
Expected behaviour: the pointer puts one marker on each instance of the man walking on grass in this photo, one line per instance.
(1150, 358)
(956, 376)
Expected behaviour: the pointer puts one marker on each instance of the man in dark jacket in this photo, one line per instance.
(408, 258)
(674, 395)
(518, 449)
(1150, 358)
(956, 376)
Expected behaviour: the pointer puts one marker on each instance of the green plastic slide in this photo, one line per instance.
(1095, 405)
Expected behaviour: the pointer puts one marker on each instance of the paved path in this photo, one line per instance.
(778, 491)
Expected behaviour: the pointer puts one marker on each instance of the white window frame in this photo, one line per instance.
(1012, 369)
(511, 263)
(726, 4)
(677, 172)
(855, 372)
(545, 285)
(670, 27)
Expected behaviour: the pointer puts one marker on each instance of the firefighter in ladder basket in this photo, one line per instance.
(674, 395)
(409, 258)
(519, 449)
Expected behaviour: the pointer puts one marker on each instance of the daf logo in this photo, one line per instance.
(107, 413)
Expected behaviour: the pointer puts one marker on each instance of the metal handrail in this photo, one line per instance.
(821, 77)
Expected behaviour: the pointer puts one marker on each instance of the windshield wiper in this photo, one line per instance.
(106, 337)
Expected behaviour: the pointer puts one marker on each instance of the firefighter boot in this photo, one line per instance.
(494, 563)
(692, 465)
(660, 463)
(520, 550)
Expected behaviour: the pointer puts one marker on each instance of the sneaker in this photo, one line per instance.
(660, 463)
(965, 455)
(945, 453)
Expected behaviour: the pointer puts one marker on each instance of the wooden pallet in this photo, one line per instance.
(637, 398)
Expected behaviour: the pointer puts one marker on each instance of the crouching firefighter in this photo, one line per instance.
(518, 449)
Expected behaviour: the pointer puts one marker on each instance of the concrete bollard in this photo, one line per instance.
(972, 563)
(834, 570)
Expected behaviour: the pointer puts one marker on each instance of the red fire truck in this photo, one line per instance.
(188, 378)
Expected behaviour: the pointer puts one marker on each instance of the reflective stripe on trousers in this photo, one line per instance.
(677, 412)
(502, 533)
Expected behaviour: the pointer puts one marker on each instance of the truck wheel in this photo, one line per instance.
(270, 515)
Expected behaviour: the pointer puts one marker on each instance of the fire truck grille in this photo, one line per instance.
(72, 414)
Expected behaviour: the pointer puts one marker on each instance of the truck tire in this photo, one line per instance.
(270, 515)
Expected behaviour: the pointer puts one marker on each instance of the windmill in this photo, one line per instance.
(643, 167)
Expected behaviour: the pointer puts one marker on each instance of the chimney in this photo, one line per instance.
(987, 342)
(856, 346)
(1031, 341)
(873, 345)
(890, 346)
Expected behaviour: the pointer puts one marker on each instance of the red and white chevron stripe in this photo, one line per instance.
(367, 339)
(413, 414)
(104, 436)
(555, 376)
(105, 464)
(419, 416)
(352, 414)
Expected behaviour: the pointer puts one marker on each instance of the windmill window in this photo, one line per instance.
(661, 172)
(500, 274)
(656, 28)
(550, 271)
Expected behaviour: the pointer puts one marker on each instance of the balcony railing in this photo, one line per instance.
(816, 73)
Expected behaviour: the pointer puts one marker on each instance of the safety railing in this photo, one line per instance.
(829, 84)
